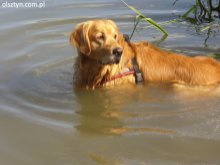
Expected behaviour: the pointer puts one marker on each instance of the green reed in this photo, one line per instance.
(141, 17)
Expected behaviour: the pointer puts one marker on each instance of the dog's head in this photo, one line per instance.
(98, 40)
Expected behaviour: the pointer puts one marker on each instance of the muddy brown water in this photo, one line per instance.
(43, 121)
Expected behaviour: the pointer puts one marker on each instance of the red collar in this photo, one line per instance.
(121, 75)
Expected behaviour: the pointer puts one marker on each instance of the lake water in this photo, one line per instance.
(43, 121)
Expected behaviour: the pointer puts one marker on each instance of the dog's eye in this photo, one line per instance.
(115, 36)
(100, 36)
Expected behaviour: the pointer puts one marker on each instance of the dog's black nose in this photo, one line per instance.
(117, 52)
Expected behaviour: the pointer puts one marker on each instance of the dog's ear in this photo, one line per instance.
(80, 38)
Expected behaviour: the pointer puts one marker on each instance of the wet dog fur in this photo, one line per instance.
(104, 53)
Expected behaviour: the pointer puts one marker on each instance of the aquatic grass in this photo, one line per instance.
(165, 23)
(140, 17)
(202, 13)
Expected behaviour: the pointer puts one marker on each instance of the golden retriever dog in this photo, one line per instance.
(106, 58)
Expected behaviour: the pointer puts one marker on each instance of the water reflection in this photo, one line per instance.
(109, 111)
(209, 31)
(99, 111)
(141, 109)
